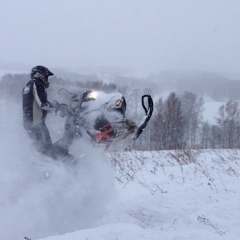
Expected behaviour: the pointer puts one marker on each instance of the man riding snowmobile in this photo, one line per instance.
(99, 118)
(35, 108)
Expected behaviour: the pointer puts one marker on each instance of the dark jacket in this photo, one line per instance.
(35, 103)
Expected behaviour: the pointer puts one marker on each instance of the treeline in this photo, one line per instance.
(11, 85)
(177, 121)
(175, 124)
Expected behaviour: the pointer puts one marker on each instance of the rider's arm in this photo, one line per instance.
(40, 96)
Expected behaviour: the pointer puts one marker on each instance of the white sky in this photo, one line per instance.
(146, 35)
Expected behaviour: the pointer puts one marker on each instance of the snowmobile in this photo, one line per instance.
(99, 118)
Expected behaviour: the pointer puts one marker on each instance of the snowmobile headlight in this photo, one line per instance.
(92, 95)
(118, 103)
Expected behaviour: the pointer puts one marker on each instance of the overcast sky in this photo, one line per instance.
(146, 35)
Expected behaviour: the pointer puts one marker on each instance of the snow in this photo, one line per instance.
(211, 110)
(194, 201)
(147, 195)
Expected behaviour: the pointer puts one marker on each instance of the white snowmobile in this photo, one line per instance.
(99, 118)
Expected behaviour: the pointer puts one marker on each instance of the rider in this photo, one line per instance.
(35, 109)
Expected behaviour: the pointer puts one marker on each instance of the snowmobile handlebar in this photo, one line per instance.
(148, 111)
(62, 108)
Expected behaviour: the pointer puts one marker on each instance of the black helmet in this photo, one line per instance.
(42, 73)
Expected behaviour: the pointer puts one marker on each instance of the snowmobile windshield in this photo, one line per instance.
(73, 100)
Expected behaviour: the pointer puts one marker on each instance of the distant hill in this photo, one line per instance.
(202, 84)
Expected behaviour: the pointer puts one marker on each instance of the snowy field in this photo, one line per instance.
(146, 195)
(211, 109)
(166, 200)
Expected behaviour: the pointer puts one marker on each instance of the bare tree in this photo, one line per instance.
(157, 127)
(228, 125)
(173, 122)
(206, 135)
(192, 108)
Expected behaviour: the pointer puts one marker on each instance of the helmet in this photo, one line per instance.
(41, 73)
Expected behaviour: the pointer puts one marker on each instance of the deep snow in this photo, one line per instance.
(166, 200)
(40, 197)
(148, 195)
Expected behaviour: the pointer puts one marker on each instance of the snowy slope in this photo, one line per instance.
(148, 195)
(168, 201)
(211, 110)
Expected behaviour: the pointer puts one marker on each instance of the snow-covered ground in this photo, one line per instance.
(166, 200)
(211, 110)
(147, 195)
